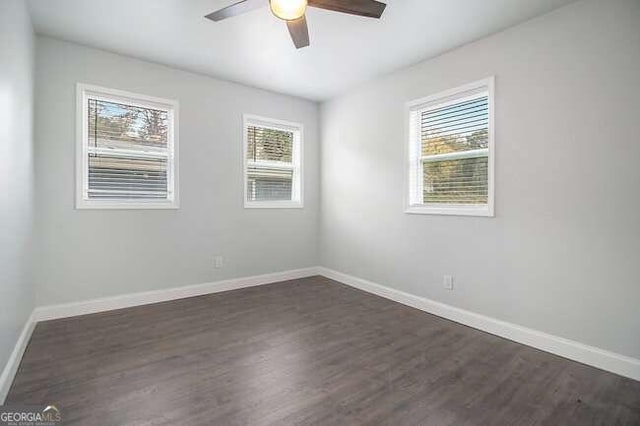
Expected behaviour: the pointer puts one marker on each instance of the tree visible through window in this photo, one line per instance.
(127, 151)
(455, 146)
(266, 180)
(450, 151)
(272, 163)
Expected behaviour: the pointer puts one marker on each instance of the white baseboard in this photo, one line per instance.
(45, 313)
(11, 368)
(576, 351)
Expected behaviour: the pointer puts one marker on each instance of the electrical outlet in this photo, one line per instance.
(218, 262)
(448, 282)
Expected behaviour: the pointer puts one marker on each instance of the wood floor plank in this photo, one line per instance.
(304, 352)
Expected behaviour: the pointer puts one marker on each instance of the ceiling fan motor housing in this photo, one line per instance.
(288, 10)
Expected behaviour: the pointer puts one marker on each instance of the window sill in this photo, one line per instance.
(481, 211)
(123, 205)
(273, 205)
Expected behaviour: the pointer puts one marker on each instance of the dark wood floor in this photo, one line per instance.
(309, 351)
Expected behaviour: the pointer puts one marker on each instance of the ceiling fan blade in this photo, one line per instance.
(243, 6)
(368, 8)
(299, 32)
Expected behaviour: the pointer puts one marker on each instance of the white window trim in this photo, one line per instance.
(414, 158)
(86, 91)
(297, 189)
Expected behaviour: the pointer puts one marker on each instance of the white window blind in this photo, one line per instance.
(451, 149)
(127, 151)
(272, 163)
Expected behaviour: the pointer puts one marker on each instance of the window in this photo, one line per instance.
(451, 152)
(127, 150)
(272, 163)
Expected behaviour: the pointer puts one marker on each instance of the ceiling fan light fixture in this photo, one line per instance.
(289, 10)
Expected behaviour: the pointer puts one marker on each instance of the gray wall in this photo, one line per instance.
(95, 253)
(16, 173)
(562, 254)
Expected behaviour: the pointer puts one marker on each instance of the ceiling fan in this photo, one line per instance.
(292, 11)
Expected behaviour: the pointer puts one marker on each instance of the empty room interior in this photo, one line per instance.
(320, 212)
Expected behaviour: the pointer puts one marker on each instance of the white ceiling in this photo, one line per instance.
(255, 48)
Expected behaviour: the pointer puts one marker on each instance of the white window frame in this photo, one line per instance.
(84, 92)
(413, 180)
(297, 185)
